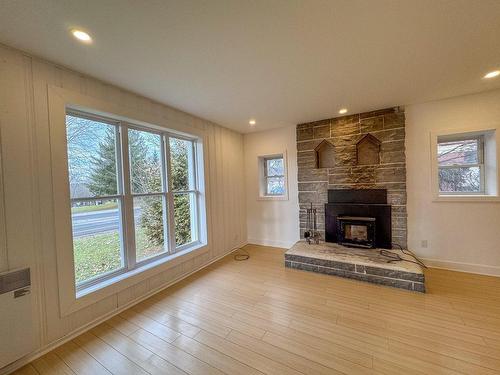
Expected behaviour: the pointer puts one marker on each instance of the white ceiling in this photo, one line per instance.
(282, 62)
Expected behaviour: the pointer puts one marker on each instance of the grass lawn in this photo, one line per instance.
(95, 255)
(94, 207)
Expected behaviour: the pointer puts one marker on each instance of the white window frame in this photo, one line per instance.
(491, 159)
(263, 177)
(119, 196)
(480, 158)
(267, 177)
(193, 193)
(125, 197)
(72, 299)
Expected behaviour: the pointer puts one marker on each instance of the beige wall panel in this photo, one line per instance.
(27, 185)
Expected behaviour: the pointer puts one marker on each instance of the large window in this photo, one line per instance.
(134, 195)
(461, 164)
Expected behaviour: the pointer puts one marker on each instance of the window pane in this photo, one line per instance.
(274, 167)
(181, 163)
(275, 186)
(149, 231)
(96, 238)
(460, 179)
(458, 152)
(184, 215)
(145, 161)
(91, 157)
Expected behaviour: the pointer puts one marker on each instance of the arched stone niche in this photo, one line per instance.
(368, 150)
(325, 155)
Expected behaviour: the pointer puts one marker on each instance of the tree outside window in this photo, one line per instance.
(461, 165)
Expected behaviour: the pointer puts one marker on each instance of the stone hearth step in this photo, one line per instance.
(359, 264)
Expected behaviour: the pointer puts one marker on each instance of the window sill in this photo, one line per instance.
(125, 280)
(467, 198)
(273, 197)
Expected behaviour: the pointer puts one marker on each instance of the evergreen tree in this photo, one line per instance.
(152, 215)
(146, 179)
(103, 175)
(180, 181)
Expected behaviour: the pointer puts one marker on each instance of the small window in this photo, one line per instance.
(272, 177)
(461, 164)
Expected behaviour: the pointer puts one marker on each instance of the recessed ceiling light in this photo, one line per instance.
(492, 74)
(81, 35)
(252, 122)
(343, 110)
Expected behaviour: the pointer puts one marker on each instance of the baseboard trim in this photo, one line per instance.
(70, 336)
(272, 243)
(480, 269)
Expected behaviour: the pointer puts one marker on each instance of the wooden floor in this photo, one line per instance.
(256, 317)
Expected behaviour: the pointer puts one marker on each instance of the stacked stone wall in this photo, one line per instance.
(388, 126)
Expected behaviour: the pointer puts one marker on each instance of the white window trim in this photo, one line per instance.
(125, 197)
(262, 177)
(492, 183)
(70, 299)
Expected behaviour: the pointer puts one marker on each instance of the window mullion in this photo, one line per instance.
(480, 150)
(96, 198)
(128, 216)
(142, 195)
(191, 169)
(169, 196)
(482, 178)
(164, 188)
(195, 166)
(454, 166)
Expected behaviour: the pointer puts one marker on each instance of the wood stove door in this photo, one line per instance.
(381, 212)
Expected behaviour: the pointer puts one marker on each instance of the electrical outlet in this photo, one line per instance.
(424, 244)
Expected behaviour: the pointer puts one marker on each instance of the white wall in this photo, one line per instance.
(461, 235)
(271, 222)
(29, 216)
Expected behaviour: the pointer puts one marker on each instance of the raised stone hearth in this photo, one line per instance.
(359, 264)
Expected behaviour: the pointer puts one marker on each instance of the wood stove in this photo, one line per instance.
(358, 217)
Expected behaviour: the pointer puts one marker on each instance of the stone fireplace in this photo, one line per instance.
(362, 151)
(352, 169)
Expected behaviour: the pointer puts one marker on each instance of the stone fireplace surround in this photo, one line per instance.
(387, 126)
(385, 129)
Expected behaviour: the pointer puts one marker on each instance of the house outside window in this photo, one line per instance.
(464, 165)
(461, 166)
